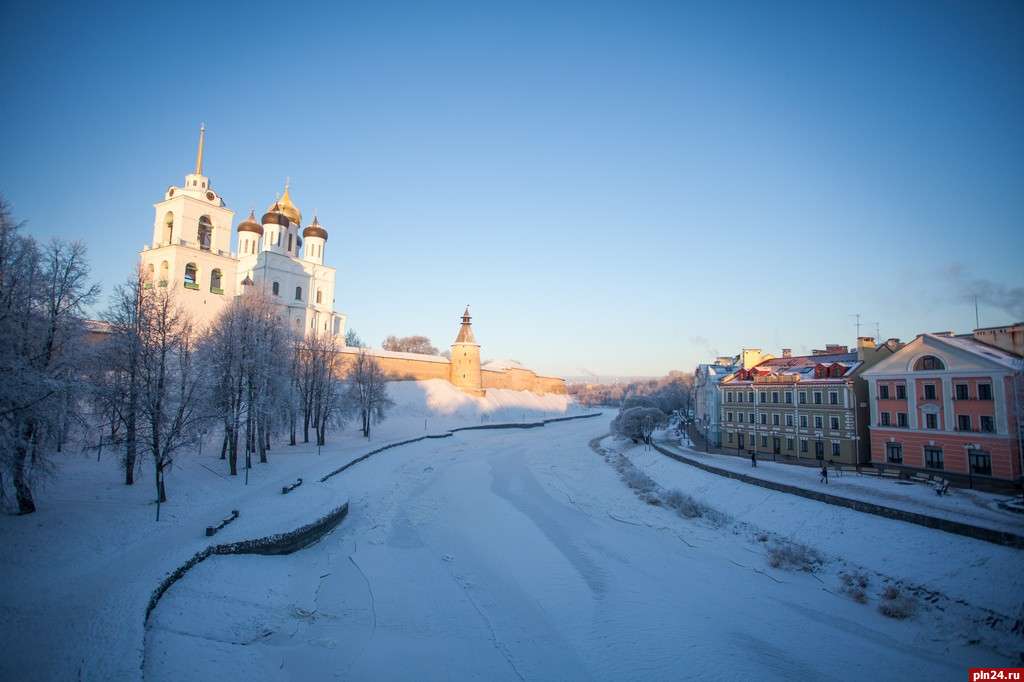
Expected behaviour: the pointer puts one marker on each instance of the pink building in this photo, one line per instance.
(951, 404)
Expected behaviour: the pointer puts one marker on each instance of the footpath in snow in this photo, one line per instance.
(967, 506)
(76, 576)
(511, 555)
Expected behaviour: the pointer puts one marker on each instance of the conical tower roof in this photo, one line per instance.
(466, 330)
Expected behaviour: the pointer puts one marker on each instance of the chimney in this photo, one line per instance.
(864, 344)
(787, 352)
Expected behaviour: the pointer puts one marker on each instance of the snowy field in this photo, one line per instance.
(960, 504)
(75, 576)
(523, 555)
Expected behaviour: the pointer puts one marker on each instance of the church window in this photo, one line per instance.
(191, 276)
(298, 293)
(289, 243)
(319, 296)
(163, 274)
(276, 288)
(215, 282)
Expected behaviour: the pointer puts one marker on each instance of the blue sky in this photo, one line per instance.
(616, 188)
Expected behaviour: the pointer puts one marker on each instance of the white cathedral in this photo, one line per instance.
(191, 250)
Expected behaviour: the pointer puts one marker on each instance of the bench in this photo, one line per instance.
(891, 473)
(869, 471)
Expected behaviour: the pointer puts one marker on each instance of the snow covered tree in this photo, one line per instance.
(352, 339)
(367, 391)
(116, 379)
(318, 382)
(638, 423)
(410, 344)
(247, 350)
(43, 294)
(172, 390)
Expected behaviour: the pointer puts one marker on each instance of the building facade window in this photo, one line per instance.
(883, 391)
(764, 418)
(298, 293)
(928, 363)
(833, 398)
(901, 392)
(763, 397)
(884, 416)
(933, 458)
(775, 396)
(728, 396)
(764, 441)
(894, 453)
(963, 422)
(980, 462)
(835, 448)
(817, 421)
(961, 391)
(740, 420)
(803, 445)
(775, 420)
(901, 420)
(789, 420)
(931, 421)
(750, 396)
(728, 416)
(789, 397)
(751, 416)
(987, 424)
(276, 288)
(215, 282)
(817, 397)
(803, 421)
(929, 391)
(984, 391)
(803, 397)
(819, 449)
(833, 423)
(789, 444)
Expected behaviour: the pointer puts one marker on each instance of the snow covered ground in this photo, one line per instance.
(76, 576)
(523, 555)
(965, 505)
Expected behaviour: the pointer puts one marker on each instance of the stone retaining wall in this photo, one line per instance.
(280, 543)
(948, 525)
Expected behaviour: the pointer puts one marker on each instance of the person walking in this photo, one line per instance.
(753, 458)
(824, 473)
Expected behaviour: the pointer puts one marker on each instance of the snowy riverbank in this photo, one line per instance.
(77, 575)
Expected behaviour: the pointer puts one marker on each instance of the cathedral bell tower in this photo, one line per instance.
(191, 247)
(464, 371)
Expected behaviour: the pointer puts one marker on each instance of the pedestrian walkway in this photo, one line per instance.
(965, 512)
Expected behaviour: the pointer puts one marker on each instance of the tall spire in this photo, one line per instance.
(466, 330)
(199, 154)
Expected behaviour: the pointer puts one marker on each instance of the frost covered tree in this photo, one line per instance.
(116, 389)
(43, 294)
(172, 391)
(410, 344)
(367, 391)
(352, 339)
(318, 384)
(638, 423)
(247, 351)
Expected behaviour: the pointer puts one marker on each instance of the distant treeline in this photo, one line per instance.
(669, 393)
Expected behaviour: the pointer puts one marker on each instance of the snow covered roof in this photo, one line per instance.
(972, 345)
(381, 353)
(502, 365)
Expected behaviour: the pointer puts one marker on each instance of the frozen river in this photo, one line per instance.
(522, 555)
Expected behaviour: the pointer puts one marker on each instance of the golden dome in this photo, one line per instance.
(288, 208)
